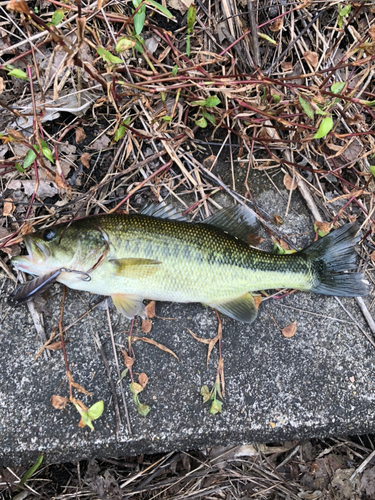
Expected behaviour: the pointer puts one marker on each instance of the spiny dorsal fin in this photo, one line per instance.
(162, 212)
(241, 309)
(238, 221)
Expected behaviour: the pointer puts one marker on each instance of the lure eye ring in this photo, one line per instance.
(49, 234)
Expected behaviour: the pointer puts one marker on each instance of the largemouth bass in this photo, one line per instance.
(157, 255)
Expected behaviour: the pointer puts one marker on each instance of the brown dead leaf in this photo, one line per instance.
(143, 379)
(372, 256)
(58, 402)
(55, 346)
(2, 85)
(8, 207)
(202, 341)
(79, 403)
(14, 133)
(257, 300)
(273, 425)
(288, 182)
(127, 359)
(80, 135)
(59, 182)
(369, 48)
(312, 58)
(101, 143)
(18, 6)
(81, 389)
(85, 160)
(77, 386)
(276, 25)
(210, 342)
(325, 227)
(156, 344)
(254, 240)
(12, 250)
(209, 161)
(287, 67)
(146, 325)
(353, 120)
(290, 330)
(284, 244)
(26, 229)
(278, 220)
(181, 5)
(371, 32)
(150, 309)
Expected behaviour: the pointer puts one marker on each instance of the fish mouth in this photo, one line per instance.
(35, 249)
(36, 256)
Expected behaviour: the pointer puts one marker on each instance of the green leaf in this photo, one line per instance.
(120, 132)
(19, 168)
(276, 98)
(209, 117)
(367, 103)
(160, 8)
(175, 70)
(18, 73)
(212, 101)
(139, 19)
(202, 122)
(48, 154)
(139, 45)
(320, 112)
(87, 420)
(123, 374)
(278, 250)
(30, 157)
(31, 471)
(125, 43)
(345, 11)
(372, 169)
(166, 118)
(57, 17)
(205, 392)
(324, 128)
(135, 388)
(96, 410)
(216, 407)
(108, 57)
(191, 15)
(143, 409)
(268, 38)
(188, 45)
(337, 87)
(307, 108)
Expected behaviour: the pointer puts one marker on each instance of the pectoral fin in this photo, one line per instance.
(135, 268)
(129, 305)
(242, 308)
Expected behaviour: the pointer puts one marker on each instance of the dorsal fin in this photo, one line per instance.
(238, 221)
(162, 212)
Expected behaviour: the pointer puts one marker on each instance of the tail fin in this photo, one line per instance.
(330, 260)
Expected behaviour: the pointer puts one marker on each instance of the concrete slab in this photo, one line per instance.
(320, 382)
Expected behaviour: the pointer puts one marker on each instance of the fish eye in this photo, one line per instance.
(49, 234)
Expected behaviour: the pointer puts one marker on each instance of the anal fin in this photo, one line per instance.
(129, 305)
(242, 308)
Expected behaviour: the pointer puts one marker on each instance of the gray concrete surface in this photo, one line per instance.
(320, 382)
